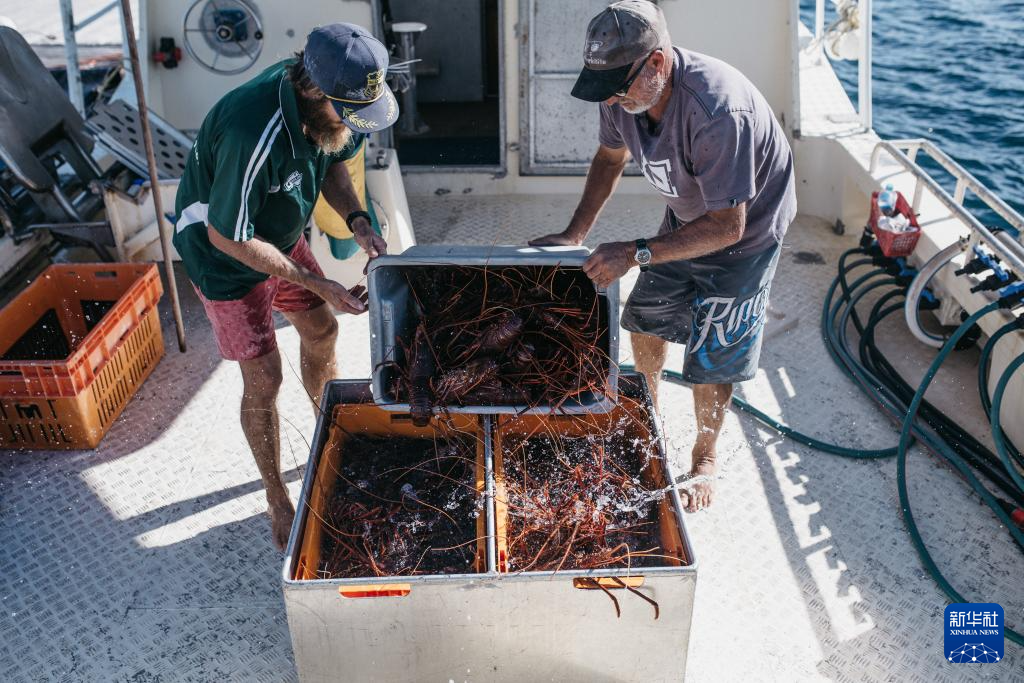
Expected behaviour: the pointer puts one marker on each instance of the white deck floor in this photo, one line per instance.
(150, 559)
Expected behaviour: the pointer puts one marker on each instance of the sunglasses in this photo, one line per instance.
(624, 89)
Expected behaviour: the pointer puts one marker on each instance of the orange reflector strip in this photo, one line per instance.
(383, 590)
(611, 582)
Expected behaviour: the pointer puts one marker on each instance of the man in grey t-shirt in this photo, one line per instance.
(707, 140)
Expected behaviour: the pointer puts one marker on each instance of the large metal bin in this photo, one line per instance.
(491, 626)
(391, 316)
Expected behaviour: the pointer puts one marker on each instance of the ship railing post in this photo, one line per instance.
(918, 191)
(864, 66)
(915, 204)
(819, 27)
(912, 150)
(75, 94)
(961, 190)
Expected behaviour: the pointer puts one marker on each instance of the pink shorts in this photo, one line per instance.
(244, 327)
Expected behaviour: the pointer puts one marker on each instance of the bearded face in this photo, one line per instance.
(646, 91)
(321, 124)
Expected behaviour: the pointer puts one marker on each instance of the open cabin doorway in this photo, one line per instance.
(458, 82)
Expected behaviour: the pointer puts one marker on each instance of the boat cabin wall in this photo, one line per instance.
(184, 94)
(556, 135)
(544, 138)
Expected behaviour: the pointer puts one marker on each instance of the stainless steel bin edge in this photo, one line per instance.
(528, 626)
(383, 323)
(499, 630)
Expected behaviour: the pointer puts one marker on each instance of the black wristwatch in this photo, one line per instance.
(642, 255)
(357, 214)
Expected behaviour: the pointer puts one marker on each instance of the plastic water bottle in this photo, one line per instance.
(887, 200)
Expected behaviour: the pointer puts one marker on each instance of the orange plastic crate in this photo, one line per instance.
(71, 402)
(364, 417)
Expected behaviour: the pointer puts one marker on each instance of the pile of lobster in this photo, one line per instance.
(578, 503)
(401, 506)
(502, 336)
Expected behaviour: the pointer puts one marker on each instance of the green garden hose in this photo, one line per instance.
(880, 381)
(997, 432)
(984, 362)
(901, 472)
(789, 432)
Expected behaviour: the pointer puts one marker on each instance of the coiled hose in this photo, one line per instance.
(997, 432)
(905, 404)
(986, 496)
(924, 277)
(984, 363)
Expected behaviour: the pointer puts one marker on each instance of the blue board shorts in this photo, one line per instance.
(717, 309)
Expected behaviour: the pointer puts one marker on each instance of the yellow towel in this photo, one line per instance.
(327, 219)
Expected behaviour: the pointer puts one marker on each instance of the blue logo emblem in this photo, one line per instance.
(974, 633)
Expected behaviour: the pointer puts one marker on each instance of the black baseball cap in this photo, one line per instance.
(349, 65)
(621, 34)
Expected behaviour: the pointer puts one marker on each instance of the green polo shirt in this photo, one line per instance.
(251, 173)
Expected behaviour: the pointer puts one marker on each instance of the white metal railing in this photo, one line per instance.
(1009, 249)
(819, 20)
(864, 66)
(67, 15)
(864, 108)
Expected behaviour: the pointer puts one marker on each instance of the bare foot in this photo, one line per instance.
(281, 516)
(700, 494)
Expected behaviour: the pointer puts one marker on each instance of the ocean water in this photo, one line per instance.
(951, 71)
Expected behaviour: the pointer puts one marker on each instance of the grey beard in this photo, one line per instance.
(639, 109)
(655, 84)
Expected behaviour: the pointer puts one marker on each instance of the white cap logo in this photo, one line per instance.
(592, 47)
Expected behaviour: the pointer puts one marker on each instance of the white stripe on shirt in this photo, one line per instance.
(196, 212)
(259, 155)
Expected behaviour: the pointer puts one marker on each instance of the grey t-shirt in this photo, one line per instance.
(717, 145)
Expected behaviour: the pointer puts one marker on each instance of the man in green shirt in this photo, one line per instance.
(263, 155)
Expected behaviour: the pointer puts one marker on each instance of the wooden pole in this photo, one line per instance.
(154, 184)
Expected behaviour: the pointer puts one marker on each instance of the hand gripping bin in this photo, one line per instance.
(494, 625)
(393, 317)
(75, 346)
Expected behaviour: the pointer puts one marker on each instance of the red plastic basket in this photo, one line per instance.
(895, 243)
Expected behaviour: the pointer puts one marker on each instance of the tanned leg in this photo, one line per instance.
(261, 378)
(318, 331)
(649, 356)
(710, 403)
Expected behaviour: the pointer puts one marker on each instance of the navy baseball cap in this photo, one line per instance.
(349, 65)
